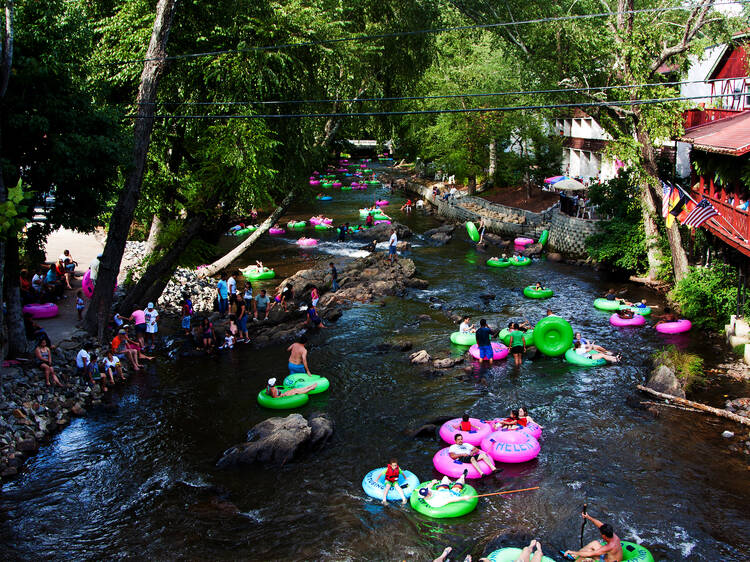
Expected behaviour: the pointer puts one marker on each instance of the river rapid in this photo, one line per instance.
(137, 478)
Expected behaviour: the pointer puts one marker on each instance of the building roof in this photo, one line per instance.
(730, 135)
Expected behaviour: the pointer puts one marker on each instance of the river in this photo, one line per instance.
(136, 479)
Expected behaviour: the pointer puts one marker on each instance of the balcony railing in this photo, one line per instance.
(737, 231)
(695, 117)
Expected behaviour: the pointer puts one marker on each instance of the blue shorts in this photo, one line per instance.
(296, 369)
(242, 324)
(485, 352)
(391, 250)
(186, 323)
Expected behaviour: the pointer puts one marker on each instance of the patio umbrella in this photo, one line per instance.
(555, 179)
(570, 185)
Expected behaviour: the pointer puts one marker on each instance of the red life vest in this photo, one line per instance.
(522, 422)
(391, 474)
(465, 426)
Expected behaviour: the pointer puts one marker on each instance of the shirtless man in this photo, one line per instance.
(608, 549)
(298, 357)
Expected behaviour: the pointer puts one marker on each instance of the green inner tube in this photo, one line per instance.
(533, 293)
(301, 380)
(256, 275)
(582, 360)
(453, 509)
(472, 230)
(372, 182)
(323, 226)
(498, 263)
(296, 224)
(510, 554)
(346, 188)
(643, 311)
(282, 402)
(245, 231)
(326, 184)
(465, 339)
(504, 336)
(523, 261)
(544, 237)
(633, 551)
(553, 335)
(606, 304)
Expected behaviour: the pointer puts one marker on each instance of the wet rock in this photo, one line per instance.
(424, 317)
(441, 238)
(663, 379)
(421, 357)
(28, 445)
(403, 246)
(554, 256)
(382, 232)
(276, 441)
(447, 363)
(444, 229)
(727, 434)
(78, 410)
(532, 250)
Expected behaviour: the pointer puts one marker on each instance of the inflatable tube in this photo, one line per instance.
(276, 231)
(296, 224)
(471, 229)
(582, 360)
(642, 310)
(323, 226)
(324, 198)
(454, 468)
(474, 437)
(372, 182)
(307, 242)
(453, 509)
(606, 304)
(382, 202)
(374, 484)
(511, 446)
(521, 241)
(245, 231)
(301, 380)
(504, 336)
(523, 261)
(533, 293)
(499, 351)
(633, 551)
(510, 554)
(314, 182)
(553, 336)
(636, 320)
(382, 222)
(544, 237)
(87, 286)
(678, 327)
(465, 339)
(326, 185)
(255, 274)
(46, 310)
(282, 402)
(533, 429)
(498, 263)
(313, 221)
(346, 188)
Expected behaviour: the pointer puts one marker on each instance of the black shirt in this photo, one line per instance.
(483, 336)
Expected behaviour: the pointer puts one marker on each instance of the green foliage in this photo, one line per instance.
(13, 211)
(708, 295)
(687, 367)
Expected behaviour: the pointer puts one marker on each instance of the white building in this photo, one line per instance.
(583, 148)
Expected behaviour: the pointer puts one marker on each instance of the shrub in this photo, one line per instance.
(686, 366)
(708, 295)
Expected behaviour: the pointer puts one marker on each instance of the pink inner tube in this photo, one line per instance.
(383, 222)
(636, 320)
(316, 173)
(307, 242)
(533, 429)
(523, 241)
(674, 327)
(336, 184)
(474, 437)
(314, 182)
(511, 446)
(327, 221)
(363, 166)
(86, 284)
(340, 170)
(355, 184)
(276, 231)
(381, 203)
(313, 220)
(46, 310)
(446, 465)
(499, 351)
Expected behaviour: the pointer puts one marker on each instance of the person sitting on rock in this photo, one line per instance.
(273, 391)
(208, 337)
(442, 492)
(228, 341)
(111, 366)
(313, 319)
(120, 348)
(43, 359)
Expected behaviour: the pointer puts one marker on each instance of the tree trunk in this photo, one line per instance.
(17, 343)
(122, 216)
(472, 184)
(153, 234)
(226, 259)
(493, 162)
(649, 211)
(697, 405)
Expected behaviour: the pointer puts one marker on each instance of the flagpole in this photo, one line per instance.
(682, 189)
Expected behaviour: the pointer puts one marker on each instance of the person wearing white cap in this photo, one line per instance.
(273, 391)
(151, 314)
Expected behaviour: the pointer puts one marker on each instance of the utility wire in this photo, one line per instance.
(435, 97)
(414, 32)
(625, 103)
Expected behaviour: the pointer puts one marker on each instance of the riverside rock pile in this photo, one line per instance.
(495, 215)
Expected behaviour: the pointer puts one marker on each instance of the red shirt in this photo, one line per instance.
(391, 474)
(465, 425)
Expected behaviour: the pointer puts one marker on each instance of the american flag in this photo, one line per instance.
(666, 192)
(702, 212)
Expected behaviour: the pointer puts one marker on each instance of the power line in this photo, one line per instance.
(396, 34)
(442, 96)
(626, 103)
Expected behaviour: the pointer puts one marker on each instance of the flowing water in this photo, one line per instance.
(137, 479)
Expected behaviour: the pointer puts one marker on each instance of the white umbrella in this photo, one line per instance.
(569, 185)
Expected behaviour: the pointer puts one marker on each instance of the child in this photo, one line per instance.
(232, 325)
(187, 311)
(392, 472)
(465, 424)
(80, 304)
(152, 328)
(228, 341)
(538, 286)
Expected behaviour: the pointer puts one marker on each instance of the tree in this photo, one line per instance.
(5, 67)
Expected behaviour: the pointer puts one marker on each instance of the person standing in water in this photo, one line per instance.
(392, 242)
(298, 357)
(517, 344)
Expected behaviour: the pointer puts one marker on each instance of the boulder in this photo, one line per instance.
(276, 441)
(447, 363)
(663, 379)
(532, 250)
(403, 246)
(441, 238)
(382, 232)
(554, 256)
(420, 357)
(445, 229)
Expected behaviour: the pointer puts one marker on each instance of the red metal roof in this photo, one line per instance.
(730, 135)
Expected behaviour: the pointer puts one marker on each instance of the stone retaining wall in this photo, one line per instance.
(567, 235)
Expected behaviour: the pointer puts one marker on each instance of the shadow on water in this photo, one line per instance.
(139, 480)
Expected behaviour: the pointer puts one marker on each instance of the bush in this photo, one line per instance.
(708, 295)
(686, 366)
